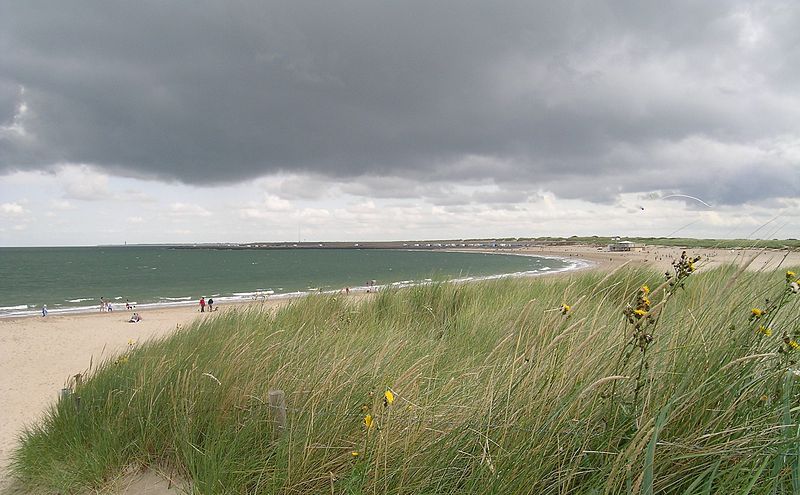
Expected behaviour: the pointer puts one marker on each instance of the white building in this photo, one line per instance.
(624, 246)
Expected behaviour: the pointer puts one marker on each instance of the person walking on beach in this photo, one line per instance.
(102, 304)
(202, 304)
(44, 310)
(210, 305)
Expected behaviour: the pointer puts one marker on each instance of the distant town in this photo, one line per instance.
(615, 243)
(436, 244)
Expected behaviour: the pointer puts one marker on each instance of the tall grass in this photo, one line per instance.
(496, 388)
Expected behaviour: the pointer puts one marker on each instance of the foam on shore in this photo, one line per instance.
(264, 294)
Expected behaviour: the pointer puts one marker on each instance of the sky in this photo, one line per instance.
(241, 121)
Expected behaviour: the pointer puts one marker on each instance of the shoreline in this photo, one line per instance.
(40, 354)
(269, 295)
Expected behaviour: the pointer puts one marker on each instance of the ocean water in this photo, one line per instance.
(74, 279)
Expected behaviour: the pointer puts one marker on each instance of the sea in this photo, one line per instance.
(74, 279)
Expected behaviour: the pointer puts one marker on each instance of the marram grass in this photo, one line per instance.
(515, 386)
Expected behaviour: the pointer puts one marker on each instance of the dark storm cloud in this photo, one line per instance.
(581, 98)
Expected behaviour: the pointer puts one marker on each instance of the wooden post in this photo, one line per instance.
(277, 406)
(78, 383)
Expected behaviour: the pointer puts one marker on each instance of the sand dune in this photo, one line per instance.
(39, 355)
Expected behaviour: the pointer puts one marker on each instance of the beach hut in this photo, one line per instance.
(619, 246)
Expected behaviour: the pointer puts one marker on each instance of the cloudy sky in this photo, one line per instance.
(194, 121)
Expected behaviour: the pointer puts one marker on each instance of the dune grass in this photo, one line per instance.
(509, 386)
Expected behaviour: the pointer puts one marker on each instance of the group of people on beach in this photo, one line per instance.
(371, 285)
(105, 305)
(204, 303)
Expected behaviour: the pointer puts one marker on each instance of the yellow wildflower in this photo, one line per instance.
(690, 268)
(765, 330)
(388, 397)
(758, 313)
(646, 301)
(793, 344)
(790, 275)
(354, 454)
(639, 312)
(646, 289)
(565, 308)
(368, 421)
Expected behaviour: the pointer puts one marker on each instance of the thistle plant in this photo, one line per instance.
(643, 316)
(762, 320)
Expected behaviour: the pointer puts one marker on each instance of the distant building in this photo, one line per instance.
(618, 245)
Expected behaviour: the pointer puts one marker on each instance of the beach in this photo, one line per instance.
(660, 257)
(68, 280)
(40, 354)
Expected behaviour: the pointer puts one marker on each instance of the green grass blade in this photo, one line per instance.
(649, 460)
(709, 473)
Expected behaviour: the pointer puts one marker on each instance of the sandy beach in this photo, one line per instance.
(661, 258)
(39, 355)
